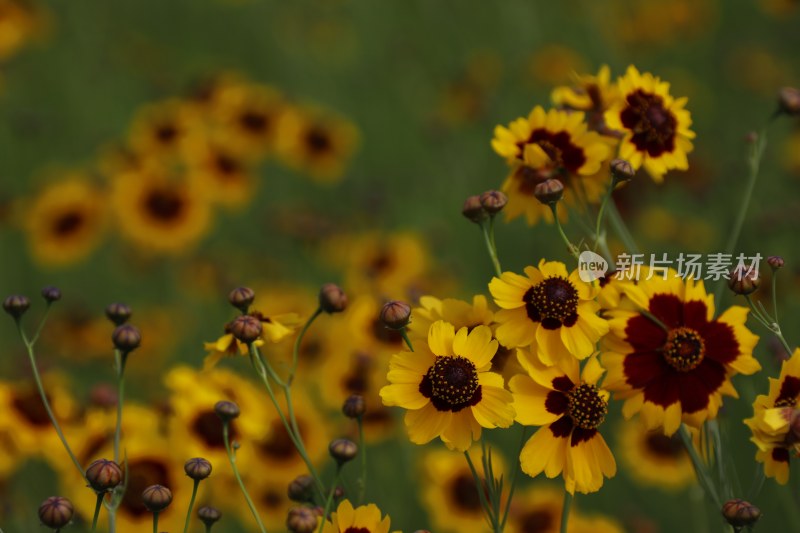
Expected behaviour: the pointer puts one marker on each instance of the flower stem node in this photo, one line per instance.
(242, 298)
(343, 450)
(493, 201)
(743, 281)
(354, 406)
(16, 305)
(301, 520)
(775, 262)
(245, 328)
(789, 101)
(51, 294)
(226, 410)
(209, 515)
(473, 209)
(197, 468)
(622, 170)
(549, 191)
(56, 512)
(118, 313)
(301, 489)
(126, 338)
(156, 498)
(332, 298)
(103, 475)
(395, 314)
(740, 513)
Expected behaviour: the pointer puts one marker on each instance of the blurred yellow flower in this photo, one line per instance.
(654, 459)
(363, 519)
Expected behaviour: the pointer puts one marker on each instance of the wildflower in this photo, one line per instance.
(343, 450)
(447, 387)
(56, 512)
(395, 314)
(364, 519)
(460, 313)
(221, 172)
(537, 509)
(588, 93)
(162, 130)
(655, 125)
(548, 309)
(655, 459)
(197, 468)
(740, 513)
(103, 475)
(156, 498)
(272, 328)
(669, 357)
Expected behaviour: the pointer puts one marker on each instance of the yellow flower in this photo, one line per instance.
(590, 94)
(677, 367)
(553, 63)
(770, 423)
(447, 387)
(655, 125)
(654, 459)
(458, 312)
(273, 329)
(221, 172)
(65, 222)
(363, 519)
(548, 309)
(570, 408)
(163, 130)
(19, 21)
(537, 509)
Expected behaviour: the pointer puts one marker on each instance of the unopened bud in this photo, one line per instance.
(301, 489)
(209, 515)
(395, 314)
(473, 210)
(301, 520)
(622, 170)
(493, 201)
(16, 305)
(118, 313)
(743, 281)
(343, 450)
(332, 298)
(226, 410)
(156, 498)
(197, 468)
(740, 513)
(51, 294)
(103, 475)
(103, 395)
(242, 298)
(549, 191)
(245, 328)
(126, 338)
(775, 261)
(56, 512)
(789, 101)
(354, 406)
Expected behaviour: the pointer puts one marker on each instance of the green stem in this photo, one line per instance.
(621, 228)
(41, 324)
(565, 509)
(601, 212)
(699, 467)
(716, 439)
(191, 504)
(208, 528)
(479, 488)
(298, 341)
(120, 359)
(488, 237)
(363, 447)
(155, 522)
(329, 499)
(232, 460)
(97, 510)
(573, 250)
(769, 323)
(404, 334)
(514, 472)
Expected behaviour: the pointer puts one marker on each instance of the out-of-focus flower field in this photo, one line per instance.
(163, 153)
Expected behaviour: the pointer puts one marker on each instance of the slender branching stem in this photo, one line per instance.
(232, 460)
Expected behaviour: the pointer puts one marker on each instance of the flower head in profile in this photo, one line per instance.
(772, 419)
(362, 519)
(570, 407)
(273, 328)
(655, 125)
(592, 94)
(548, 309)
(667, 355)
(447, 387)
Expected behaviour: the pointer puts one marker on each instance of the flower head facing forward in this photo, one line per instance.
(363, 519)
(667, 355)
(549, 309)
(447, 387)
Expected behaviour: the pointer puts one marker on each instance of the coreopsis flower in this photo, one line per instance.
(654, 459)
(273, 329)
(548, 309)
(667, 355)
(570, 407)
(772, 419)
(655, 125)
(592, 94)
(549, 144)
(447, 387)
(362, 519)
(221, 171)
(458, 312)
(161, 130)
(537, 509)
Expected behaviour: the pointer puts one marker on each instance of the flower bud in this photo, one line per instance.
(245, 328)
(126, 338)
(56, 512)
(51, 294)
(301, 489)
(103, 395)
(789, 101)
(156, 498)
(493, 201)
(473, 209)
(622, 170)
(740, 513)
(242, 298)
(332, 298)
(197, 468)
(301, 520)
(775, 261)
(226, 410)
(395, 314)
(743, 281)
(103, 475)
(16, 305)
(354, 406)
(549, 191)
(118, 313)
(343, 450)
(209, 515)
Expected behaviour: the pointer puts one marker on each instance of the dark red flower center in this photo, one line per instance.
(318, 141)
(166, 133)
(663, 446)
(68, 223)
(566, 156)
(653, 125)
(254, 121)
(451, 384)
(164, 204)
(684, 349)
(207, 426)
(537, 521)
(553, 302)
(586, 407)
(357, 530)
(141, 474)
(464, 494)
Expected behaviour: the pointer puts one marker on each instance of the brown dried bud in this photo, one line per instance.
(56, 512)
(622, 170)
(301, 520)
(332, 298)
(493, 201)
(156, 498)
(775, 261)
(197, 468)
(395, 314)
(789, 101)
(740, 513)
(354, 406)
(103, 475)
(473, 209)
(743, 280)
(51, 294)
(16, 305)
(343, 450)
(301, 489)
(126, 338)
(226, 410)
(549, 191)
(118, 313)
(245, 328)
(209, 515)
(242, 298)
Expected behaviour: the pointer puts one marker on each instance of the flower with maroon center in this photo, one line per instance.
(653, 459)
(570, 408)
(363, 519)
(667, 355)
(447, 387)
(548, 309)
(549, 144)
(773, 421)
(655, 125)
